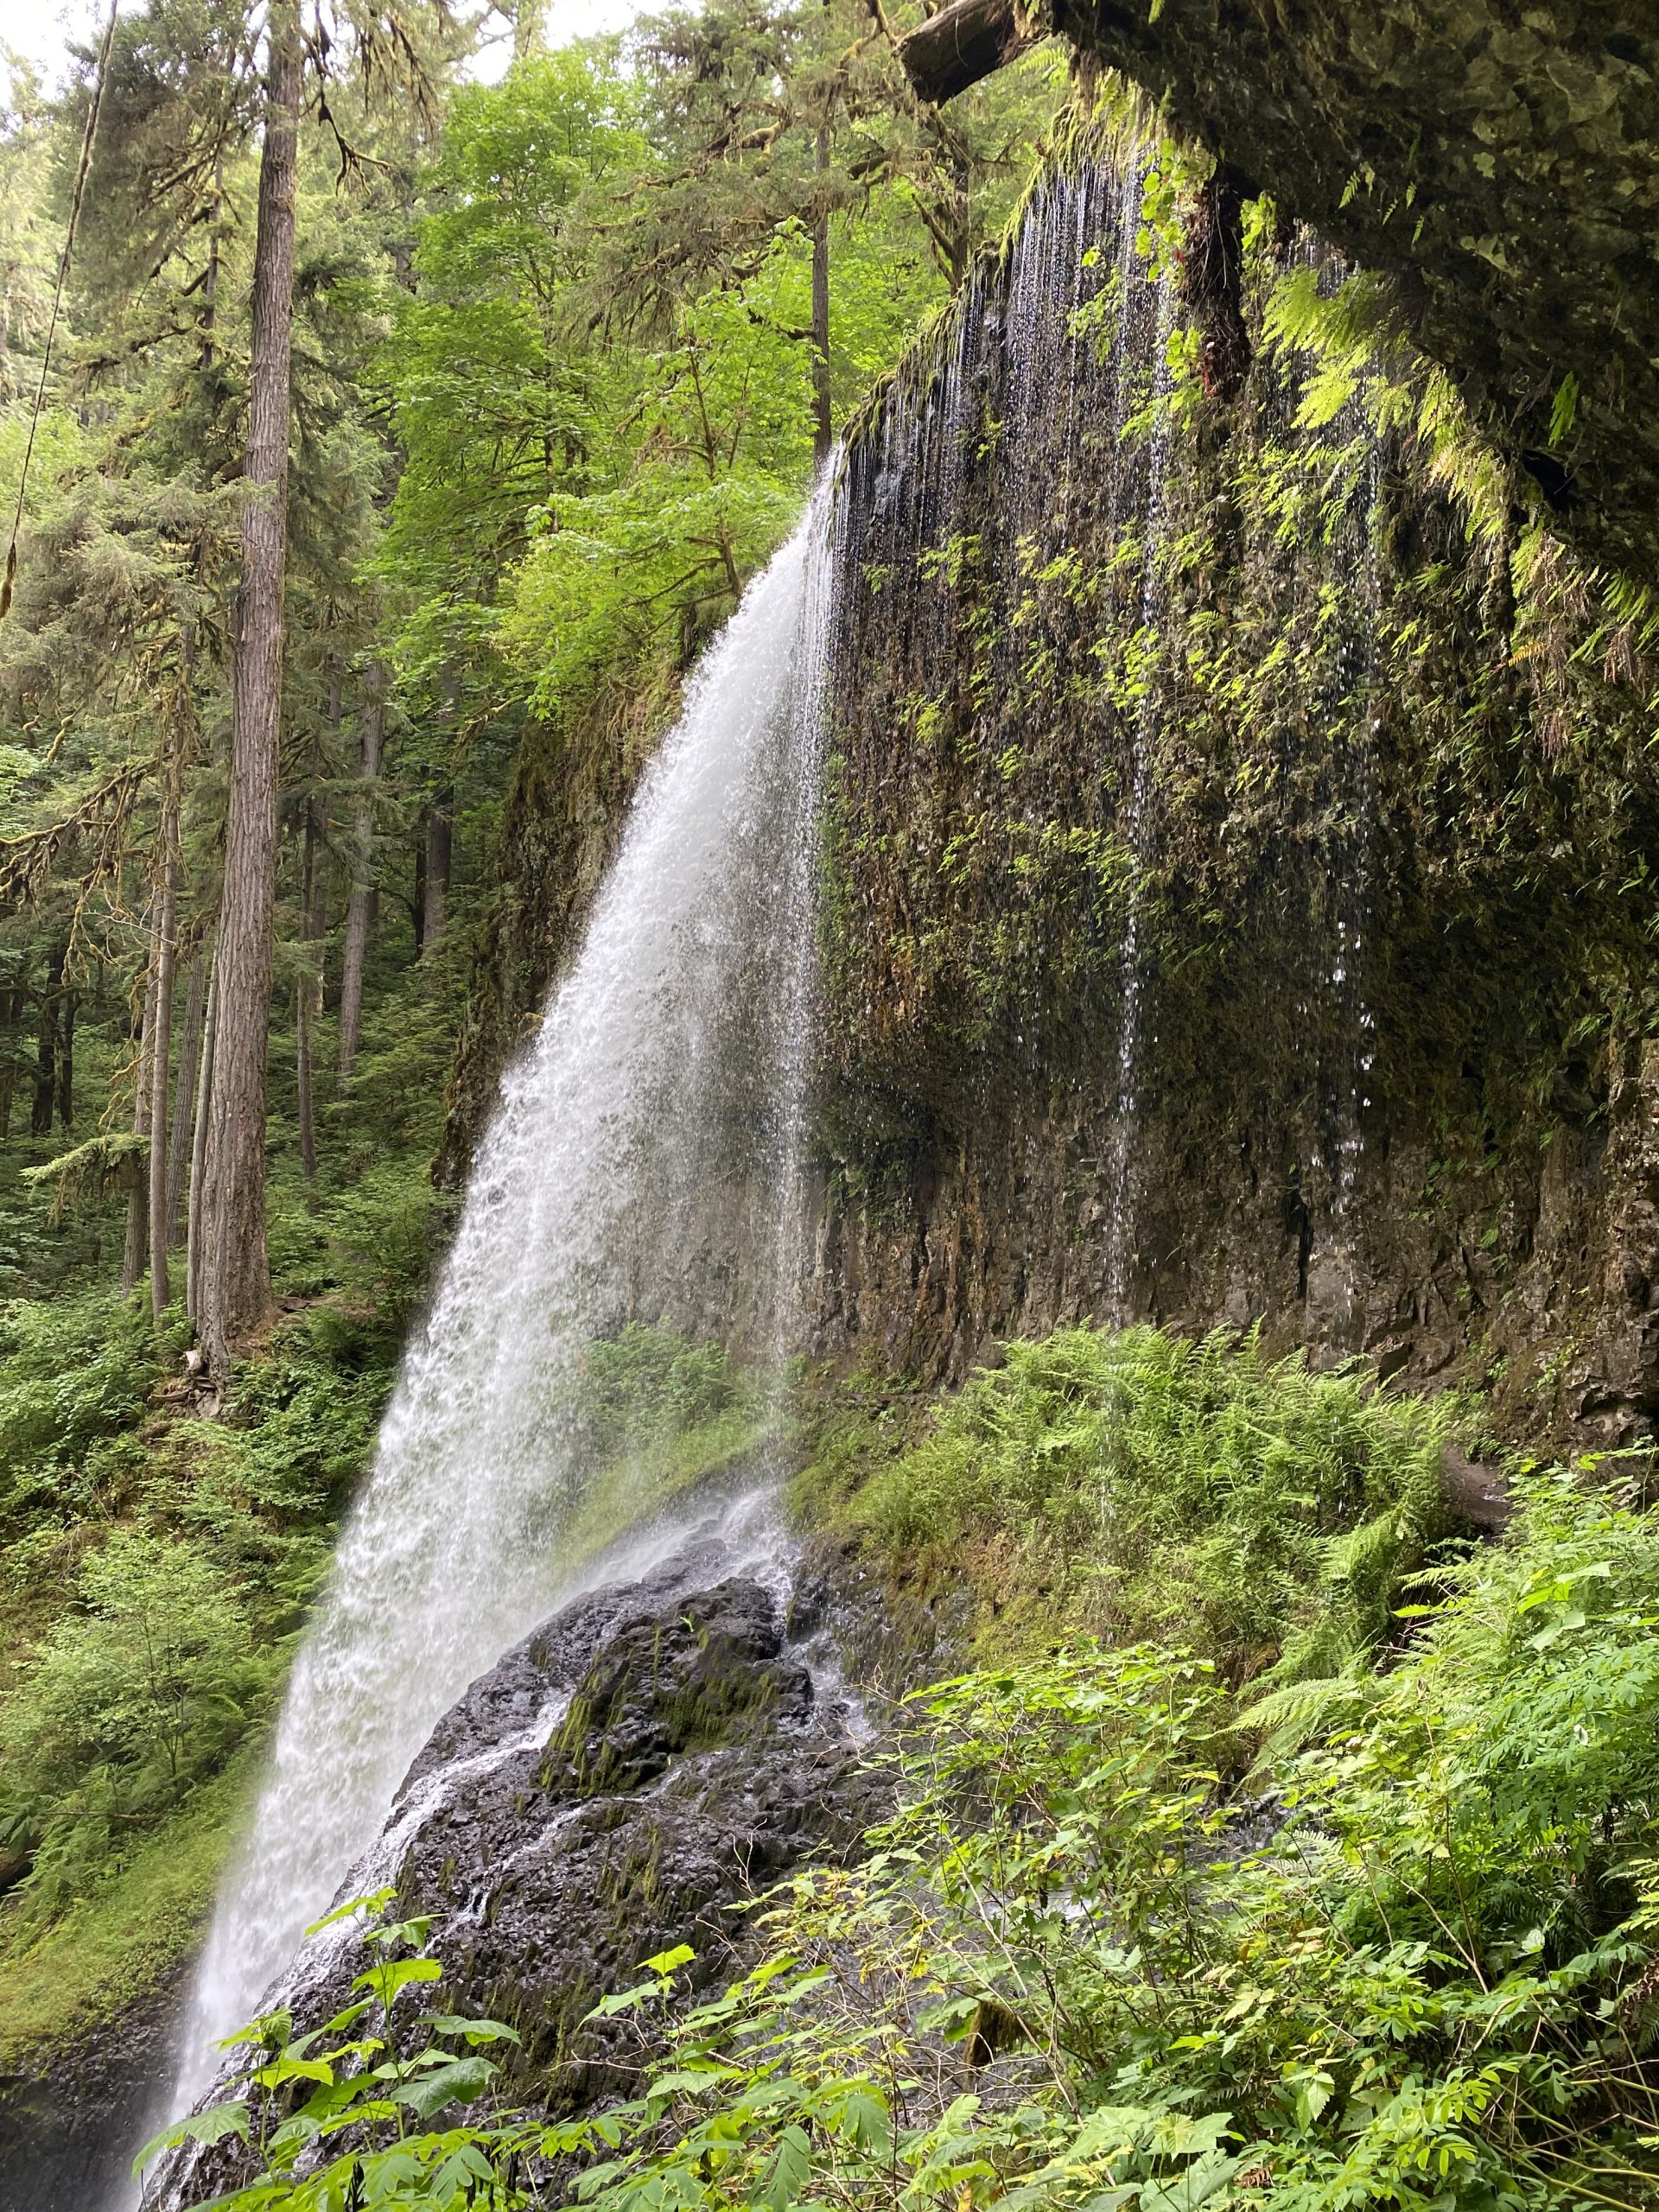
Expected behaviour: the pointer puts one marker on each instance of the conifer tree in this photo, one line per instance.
(234, 1282)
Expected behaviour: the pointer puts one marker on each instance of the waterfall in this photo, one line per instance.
(1339, 590)
(643, 1162)
(1354, 709)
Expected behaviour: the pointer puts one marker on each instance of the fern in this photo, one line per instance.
(1191, 1488)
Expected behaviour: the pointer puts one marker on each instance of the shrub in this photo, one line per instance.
(77, 1370)
(132, 1695)
(648, 1384)
(1072, 1972)
(1200, 1489)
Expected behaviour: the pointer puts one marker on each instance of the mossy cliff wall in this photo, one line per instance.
(1240, 828)
(564, 807)
(1238, 872)
(1499, 158)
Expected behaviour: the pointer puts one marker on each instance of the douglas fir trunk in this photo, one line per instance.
(235, 1284)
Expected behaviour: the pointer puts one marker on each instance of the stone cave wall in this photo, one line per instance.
(1130, 652)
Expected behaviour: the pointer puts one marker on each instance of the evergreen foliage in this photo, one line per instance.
(520, 493)
(1161, 1486)
(1239, 1881)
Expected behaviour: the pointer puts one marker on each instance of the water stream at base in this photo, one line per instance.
(642, 1163)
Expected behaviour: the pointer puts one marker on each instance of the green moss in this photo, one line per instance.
(628, 1491)
(661, 1415)
(126, 1939)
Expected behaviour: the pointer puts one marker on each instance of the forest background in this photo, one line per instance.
(367, 431)
(380, 456)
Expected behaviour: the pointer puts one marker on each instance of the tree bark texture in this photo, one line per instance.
(159, 1055)
(68, 1002)
(195, 1226)
(234, 1272)
(1211, 261)
(307, 993)
(11, 1016)
(182, 1126)
(440, 855)
(964, 42)
(417, 904)
(359, 912)
(132, 1258)
(46, 1045)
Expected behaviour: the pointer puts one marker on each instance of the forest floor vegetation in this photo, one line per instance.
(1308, 1864)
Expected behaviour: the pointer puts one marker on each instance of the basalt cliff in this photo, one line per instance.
(1237, 821)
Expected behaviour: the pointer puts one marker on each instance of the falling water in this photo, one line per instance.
(1136, 828)
(1346, 452)
(643, 1162)
(1352, 778)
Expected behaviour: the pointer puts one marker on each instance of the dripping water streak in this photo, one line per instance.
(1137, 828)
(1354, 767)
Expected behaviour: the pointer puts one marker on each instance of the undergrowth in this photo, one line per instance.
(154, 1572)
(1413, 1964)
(156, 1567)
(659, 1414)
(1137, 1484)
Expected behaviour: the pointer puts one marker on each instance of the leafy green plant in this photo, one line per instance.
(1078, 1968)
(648, 1383)
(1074, 1971)
(76, 1369)
(132, 1695)
(149, 1601)
(366, 2074)
(1198, 1488)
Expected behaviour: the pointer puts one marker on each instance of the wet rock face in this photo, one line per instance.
(1533, 1274)
(1503, 161)
(1218, 929)
(652, 1757)
(67, 2132)
(690, 1768)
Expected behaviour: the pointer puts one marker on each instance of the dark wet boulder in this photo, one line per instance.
(618, 1785)
(692, 1762)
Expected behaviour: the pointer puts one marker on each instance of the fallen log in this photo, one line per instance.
(969, 40)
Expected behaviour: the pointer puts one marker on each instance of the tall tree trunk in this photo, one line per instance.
(417, 904)
(824, 429)
(235, 1272)
(210, 279)
(305, 994)
(195, 1226)
(182, 1128)
(46, 1047)
(132, 1260)
(440, 853)
(361, 914)
(160, 1054)
(68, 1004)
(11, 1016)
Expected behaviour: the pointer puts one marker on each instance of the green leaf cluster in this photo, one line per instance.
(1079, 1968)
(1152, 1485)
